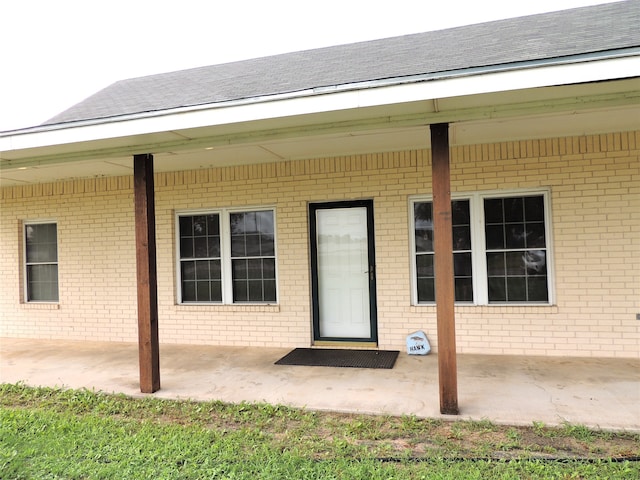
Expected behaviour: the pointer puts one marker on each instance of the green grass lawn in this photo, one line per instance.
(77, 434)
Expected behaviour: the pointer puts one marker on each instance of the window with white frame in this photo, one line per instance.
(227, 257)
(500, 248)
(200, 261)
(424, 253)
(41, 261)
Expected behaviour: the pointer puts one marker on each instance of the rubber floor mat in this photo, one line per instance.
(329, 357)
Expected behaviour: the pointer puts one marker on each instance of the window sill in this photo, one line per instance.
(40, 306)
(504, 307)
(237, 307)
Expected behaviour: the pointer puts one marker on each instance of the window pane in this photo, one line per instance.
(200, 236)
(50, 252)
(534, 208)
(188, 270)
(424, 265)
(422, 212)
(495, 264)
(239, 269)
(497, 289)
(537, 289)
(424, 241)
(460, 214)
(463, 279)
(240, 291)
(494, 237)
(535, 262)
(237, 223)
(516, 289)
(462, 238)
(250, 222)
(200, 247)
(269, 268)
(41, 243)
(186, 247)
(425, 278)
(267, 245)
(464, 289)
(423, 227)
(254, 269)
(426, 290)
(202, 270)
(255, 290)
(252, 252)
(36, 291)
(213, 246)
(270, 291)
(535, 235)
(521, 258)
(199, 225)
(213, 224)
(201, 281)
(462, 264)
(41, 256)
(252, 245)
(252, 234)
(186, 226)
(264, 221)
(238, 248)
(513, 209)
(216, 291)
(202, 291)
(493, 210)
(254, 280)
(461, 235)
(515, 263)
(525, 278)
(42, 283)
(215, 270)
(188, 291)
(515, 235)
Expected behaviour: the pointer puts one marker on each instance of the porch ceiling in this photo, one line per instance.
(479, 118)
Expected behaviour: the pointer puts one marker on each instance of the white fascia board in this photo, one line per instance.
(349, 97)
(508, 80)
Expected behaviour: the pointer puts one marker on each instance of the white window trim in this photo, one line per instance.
(478, 245)
(225, 253)
(25, 286)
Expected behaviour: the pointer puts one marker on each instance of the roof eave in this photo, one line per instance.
(329, 89)
(593, 67)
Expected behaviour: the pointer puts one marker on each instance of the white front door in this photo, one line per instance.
(344, 272)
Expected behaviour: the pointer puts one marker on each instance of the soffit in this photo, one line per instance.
(483, 118)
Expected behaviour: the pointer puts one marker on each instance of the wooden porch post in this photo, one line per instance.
(443, 250)
(148, 344)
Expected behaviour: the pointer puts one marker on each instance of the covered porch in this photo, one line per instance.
(544, 114)
(517, 390)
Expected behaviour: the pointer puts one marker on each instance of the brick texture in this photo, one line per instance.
(595, 203)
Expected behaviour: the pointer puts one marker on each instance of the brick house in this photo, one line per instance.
(294, 195)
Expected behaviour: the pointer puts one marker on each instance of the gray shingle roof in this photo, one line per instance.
(553, 35)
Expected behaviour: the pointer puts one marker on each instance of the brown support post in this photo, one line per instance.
(148, 344)
(443, 250)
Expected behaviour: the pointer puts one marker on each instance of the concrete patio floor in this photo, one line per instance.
(600, 393)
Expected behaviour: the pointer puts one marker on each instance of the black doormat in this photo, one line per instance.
(329, 357)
